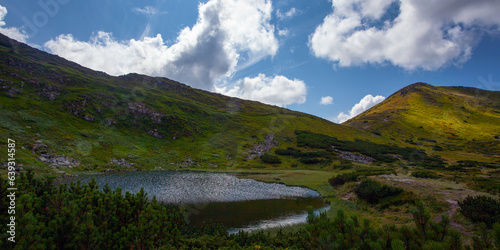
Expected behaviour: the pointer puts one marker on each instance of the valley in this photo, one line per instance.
(435, 146)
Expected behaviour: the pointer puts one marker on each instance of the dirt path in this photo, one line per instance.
(451, 211)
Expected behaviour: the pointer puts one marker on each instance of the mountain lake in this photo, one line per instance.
(239, 204)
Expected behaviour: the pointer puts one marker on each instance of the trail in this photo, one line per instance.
(451, 211)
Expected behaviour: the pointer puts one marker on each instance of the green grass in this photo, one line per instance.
(210, 129)
(439, 120)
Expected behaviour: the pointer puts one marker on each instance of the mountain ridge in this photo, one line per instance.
(91, 121)
(99, 120)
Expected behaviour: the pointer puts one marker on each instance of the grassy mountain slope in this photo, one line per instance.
(455, 122)
(62, 112)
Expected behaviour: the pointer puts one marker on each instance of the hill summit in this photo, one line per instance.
(462, 120)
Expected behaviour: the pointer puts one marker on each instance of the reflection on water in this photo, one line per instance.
(239, 204)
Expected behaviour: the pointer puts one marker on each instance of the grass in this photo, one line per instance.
(427, 116)
(436, 194)
(208, 128)
(206, 131)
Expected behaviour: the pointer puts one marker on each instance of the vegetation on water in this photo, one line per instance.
(84, 216)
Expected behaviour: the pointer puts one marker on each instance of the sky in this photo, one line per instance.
(330, 58)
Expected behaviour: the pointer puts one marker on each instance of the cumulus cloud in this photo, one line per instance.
(408, 33)
(228, 35)
(326, 100)
(277, 90)
(11, 32)
(149, 10)
(283, 32)
(289, 14)
(366, 103)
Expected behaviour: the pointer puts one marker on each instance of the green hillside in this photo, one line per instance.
(62, 114)
(459, 123)
(67, 118)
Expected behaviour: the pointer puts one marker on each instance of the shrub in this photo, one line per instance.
(407, 197)
(287, 152)
(425, 174)
(481, 209)
(310, 160)
(373, 191)
(342, 179)
(271, 159)
(489, 185)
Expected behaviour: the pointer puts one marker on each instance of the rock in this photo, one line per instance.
(263, 147)
(352, 156)
(88, 118)
(58, 161)
(51, 95)
(121, 162)
(155, 134)
(40, 148)
(13, 92)
(139, 109)
(109, 122)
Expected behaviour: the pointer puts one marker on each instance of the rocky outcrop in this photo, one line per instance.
(353, 156)
(139, 109)
(156, 134)
(121, 162)
(12, 89)
(56, 161)
(51, 95)
(109, 122)
(59, 161)
(263, 147)
(81, 108)
(88, 118)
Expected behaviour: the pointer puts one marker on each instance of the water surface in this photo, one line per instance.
(239, 204)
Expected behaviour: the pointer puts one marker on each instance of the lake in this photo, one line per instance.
(239, 204)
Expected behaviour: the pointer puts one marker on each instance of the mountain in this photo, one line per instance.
(64, 115)
(458, 123)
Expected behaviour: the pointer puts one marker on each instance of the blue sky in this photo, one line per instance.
(333, 59)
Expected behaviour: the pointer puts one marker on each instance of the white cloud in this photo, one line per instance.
(283, 32)
(11, 32)
(149, 10)
(408, 33)
(326, 100)
(289, 14)
(277, 90)
(228, 35)
(366, 103)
